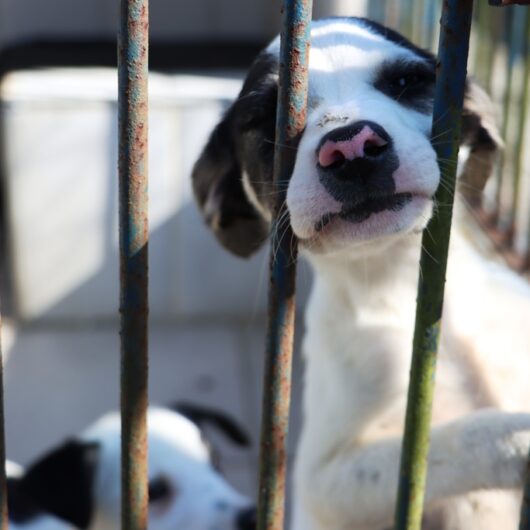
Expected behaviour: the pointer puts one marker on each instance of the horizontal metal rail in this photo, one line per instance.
(290, 122)
(132, 108)
(449, 96)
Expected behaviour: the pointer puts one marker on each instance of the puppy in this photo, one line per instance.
(79, 482)
(360, 195)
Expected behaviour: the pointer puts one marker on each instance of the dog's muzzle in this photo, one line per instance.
(356, 164)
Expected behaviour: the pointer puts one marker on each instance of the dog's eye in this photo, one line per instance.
(410, 84)
(159, 489)
(406, 81)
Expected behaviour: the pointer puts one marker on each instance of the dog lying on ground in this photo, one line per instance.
(360, 195)
(79, 482)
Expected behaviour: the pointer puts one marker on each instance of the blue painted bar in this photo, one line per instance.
(290, 122)
(448, 101)
(132, 109)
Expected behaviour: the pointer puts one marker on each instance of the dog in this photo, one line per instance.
(79, 482)
(360, 196)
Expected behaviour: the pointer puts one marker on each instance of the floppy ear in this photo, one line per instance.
(481, 135)
(218, 187)
(242, 141)
(60, 483)
(223, 422)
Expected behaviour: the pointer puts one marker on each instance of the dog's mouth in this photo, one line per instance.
(358, 213)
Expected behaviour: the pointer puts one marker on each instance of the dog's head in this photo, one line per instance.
(365, 165)
(80, 481)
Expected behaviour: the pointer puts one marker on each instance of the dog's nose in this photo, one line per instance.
(356, 162)
(246, 520)
(363, 139)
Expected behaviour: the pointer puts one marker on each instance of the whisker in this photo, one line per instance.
(273, 142)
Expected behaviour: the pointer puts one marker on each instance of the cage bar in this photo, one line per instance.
(290, 122)
(448, 101)
(511, 39)
(3, 485)
(132, 110)
(519, 151)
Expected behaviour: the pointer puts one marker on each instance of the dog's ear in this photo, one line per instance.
(481, 135)
(218, 173)
(202, 416)
(61, 483)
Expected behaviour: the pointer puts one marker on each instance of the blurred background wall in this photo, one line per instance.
(206, 20)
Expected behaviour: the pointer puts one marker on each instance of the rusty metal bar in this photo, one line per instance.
(448, 101)
(290, 122)
(132, 109)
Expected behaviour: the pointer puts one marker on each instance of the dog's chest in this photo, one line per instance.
(358, 346)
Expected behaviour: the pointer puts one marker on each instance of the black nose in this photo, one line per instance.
(246, 520)
(356, 162)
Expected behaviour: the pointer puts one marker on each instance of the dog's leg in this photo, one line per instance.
(356, 488)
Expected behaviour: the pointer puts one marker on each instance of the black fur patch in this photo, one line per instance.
(60, 484)
(396, 38)
(242, 142)
(410, 83)
(206, 416)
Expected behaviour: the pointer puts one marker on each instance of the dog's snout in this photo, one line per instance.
(362, 139)
(356, 162)
(247, 519)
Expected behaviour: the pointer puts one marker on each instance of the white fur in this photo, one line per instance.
(360, 320)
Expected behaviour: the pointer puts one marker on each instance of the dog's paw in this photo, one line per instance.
(499, 442)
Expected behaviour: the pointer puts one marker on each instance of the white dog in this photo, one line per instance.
(79, 482)
(360, 195)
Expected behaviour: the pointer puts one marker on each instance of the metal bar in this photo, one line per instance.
(506, 105)
(290, 122)
(429, 23)
(132, 109)
(522, 117)
(406, 17)
(3, 486)
(449, 96)
(484, 49)
(417, 21)
(524, 523)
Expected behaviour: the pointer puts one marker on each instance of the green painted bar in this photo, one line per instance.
(449, 96)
